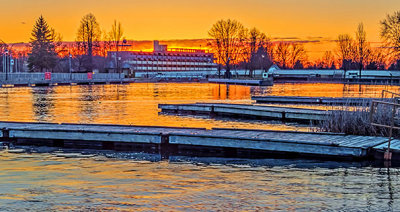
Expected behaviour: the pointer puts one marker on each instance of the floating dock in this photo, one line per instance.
(248, 111)
(316, 100)
(242, 82)
(171, 140)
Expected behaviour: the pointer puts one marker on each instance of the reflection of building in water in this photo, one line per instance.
(161, 60)
(231, 92)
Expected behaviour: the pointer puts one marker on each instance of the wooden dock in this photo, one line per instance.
(229, 142)
(253, 82)
(315, 100)
(248, 111)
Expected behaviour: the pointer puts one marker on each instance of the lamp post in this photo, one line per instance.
(6, 64)
(70, 66)
(119, 69)
(263, 64)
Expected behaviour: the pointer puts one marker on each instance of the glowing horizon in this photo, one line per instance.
(319, 21)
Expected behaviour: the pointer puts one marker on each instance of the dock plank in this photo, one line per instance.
(253, 111)
(308, 143)
(315, 100)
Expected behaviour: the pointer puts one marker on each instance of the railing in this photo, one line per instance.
(32, 78)
(393, 95)
(394, 109)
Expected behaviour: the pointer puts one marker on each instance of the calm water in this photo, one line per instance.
(45, 179)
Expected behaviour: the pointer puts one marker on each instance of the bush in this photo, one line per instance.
(356, 121)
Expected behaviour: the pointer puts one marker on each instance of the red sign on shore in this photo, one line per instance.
(90, 75)
(47, 75)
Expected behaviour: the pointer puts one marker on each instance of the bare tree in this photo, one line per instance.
(228, 35)
(88, 37)
(297, 55)
(329, 60)
(376, 59)
(282, 57)
(3, 47)
(290, 55)
(116, 35)
(390, 32)
(361, 46)
(346, 50)
(257, 46)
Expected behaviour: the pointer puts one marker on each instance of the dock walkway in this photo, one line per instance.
(176, 139)
(253, 82)
(248, 110)
(315, 100)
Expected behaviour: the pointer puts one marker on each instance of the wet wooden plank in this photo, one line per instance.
(394, 145)
(253, 111)
(314, 100)
(242, 82)
(331, 144)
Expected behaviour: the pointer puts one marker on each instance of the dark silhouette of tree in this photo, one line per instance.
(326, 62)
(362, 47)
(228, 36)
(329, 60)
(43, 55)
(347, 52)
(116, 36)
(290, 55)
(3, 47)
(257, 54)
(87, 40)
(298, 65)
(390, 32)
(282, 51)
(297, 55)
(376, 59)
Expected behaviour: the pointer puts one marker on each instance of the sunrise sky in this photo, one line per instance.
(316, 20)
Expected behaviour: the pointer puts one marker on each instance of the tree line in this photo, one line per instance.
(47, 51)
(236, 46)
(233, 45)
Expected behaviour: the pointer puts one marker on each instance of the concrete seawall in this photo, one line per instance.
(35, 79)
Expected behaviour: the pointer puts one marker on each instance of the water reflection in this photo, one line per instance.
(136, 104)
(136, 181)
(42, 102)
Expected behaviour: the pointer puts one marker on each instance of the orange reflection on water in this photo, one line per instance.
(47, 182)
(133, 104)
(137, 103)
(327, 90)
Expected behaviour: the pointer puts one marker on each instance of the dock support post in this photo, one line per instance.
(212, 113)
(163, 148)
(6, 133)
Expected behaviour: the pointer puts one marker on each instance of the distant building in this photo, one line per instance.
(161, 60)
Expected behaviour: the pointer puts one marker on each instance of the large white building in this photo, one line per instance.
(163, 61)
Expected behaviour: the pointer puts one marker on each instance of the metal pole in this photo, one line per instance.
(3, 61)
(7, 64)
(70, 69)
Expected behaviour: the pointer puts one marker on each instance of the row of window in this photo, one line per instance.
(165, 58)
(173, 69)
(170, 63)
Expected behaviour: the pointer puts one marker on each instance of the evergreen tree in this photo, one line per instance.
(43, 55)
